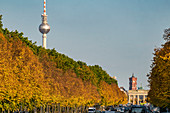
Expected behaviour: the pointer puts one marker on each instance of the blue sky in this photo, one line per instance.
(118, 35)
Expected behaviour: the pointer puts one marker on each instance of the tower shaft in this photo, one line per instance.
(44, 38)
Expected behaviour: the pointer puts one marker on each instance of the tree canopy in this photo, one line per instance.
(159, 77)
(32, 76)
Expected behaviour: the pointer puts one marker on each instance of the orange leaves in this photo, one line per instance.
(21, 74)
(34, 80)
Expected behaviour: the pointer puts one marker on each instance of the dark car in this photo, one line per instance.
(98, 111)
(138, 109)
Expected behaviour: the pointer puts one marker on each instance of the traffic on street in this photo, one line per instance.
(128, 108)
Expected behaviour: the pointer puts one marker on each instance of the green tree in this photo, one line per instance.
(102, 75)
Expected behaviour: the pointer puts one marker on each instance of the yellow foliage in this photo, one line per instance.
(166, 57)
(34, 80)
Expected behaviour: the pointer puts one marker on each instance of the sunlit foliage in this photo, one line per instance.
(33, 76)
(159, 77)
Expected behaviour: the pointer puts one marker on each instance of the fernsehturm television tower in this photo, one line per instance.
(44, 27)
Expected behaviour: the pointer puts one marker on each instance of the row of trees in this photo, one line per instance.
(159, 77)
(32, 76)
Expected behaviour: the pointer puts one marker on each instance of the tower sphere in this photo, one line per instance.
(44, 28)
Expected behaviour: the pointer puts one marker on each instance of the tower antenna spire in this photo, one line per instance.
(44, 28)
(45, 7)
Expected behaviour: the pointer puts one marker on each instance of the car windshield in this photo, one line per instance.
(91, 110)
(138, 110)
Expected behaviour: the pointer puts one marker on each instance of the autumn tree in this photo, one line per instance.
(21, 76)
(111, 94)
(32, 76)
(159, 77)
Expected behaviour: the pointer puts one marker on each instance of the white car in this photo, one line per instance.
(91, 110)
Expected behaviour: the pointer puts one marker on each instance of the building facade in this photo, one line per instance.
(136, 96)
(132, 83)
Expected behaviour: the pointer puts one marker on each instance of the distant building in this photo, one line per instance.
(132, 83)
(136, 96)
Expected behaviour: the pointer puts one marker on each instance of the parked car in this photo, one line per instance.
(98, 111)
(156, 110)
(122, 109)
(109, 108)
(91, 110)
(138, 109)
